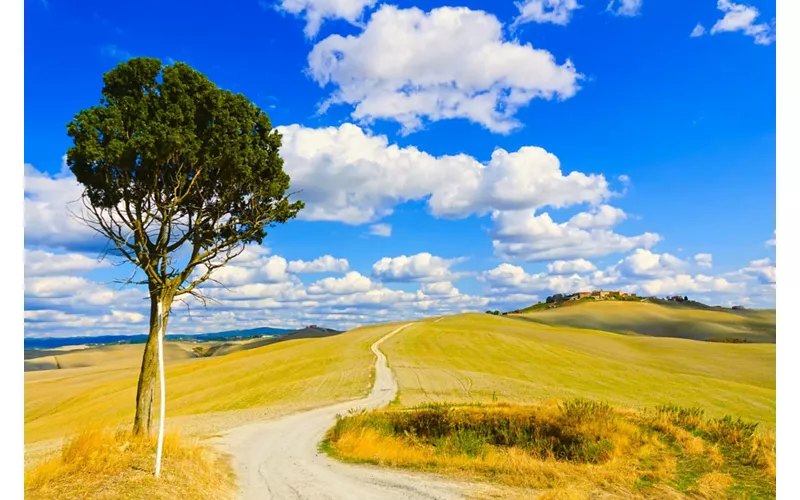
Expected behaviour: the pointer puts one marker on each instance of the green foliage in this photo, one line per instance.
(168, 158)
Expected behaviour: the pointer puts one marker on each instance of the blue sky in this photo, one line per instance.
(671, 138)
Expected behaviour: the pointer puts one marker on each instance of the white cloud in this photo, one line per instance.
(422, 267)
(570, 266)
(683, 284)
(522, 235)
(741, 17)
(439, 288)
(698, 30)
(546, 11)
(352, 282)
(762, 270)
(74, 292)
(624, 7)
(602, 216)
(41, 263)
(703, 259)
(452, 62)
(384, 230)
(350, 176)
(316, 12)
(324, 264)
(646, 263)
(49, 202)
(508, 278)
(772, 241)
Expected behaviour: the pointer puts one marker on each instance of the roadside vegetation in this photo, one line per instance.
(104, 464)
(575, 448)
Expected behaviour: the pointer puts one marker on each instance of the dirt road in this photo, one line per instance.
(279, 459)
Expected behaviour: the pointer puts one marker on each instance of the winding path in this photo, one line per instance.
(279, 459)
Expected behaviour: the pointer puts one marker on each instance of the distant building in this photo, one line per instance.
(312, 326)
(582, 295)
(738, 308)
(600, 293)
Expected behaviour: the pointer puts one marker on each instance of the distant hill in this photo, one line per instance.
(660, 318)
(54, 342)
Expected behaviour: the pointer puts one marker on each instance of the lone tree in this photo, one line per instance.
(179, 175)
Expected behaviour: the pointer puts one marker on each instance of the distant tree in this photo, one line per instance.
(685, 298)
(549, 300)
(179, 175)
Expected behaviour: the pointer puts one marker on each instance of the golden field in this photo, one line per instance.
(482, 358)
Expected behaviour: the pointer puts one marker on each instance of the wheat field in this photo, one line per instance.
(482, 358)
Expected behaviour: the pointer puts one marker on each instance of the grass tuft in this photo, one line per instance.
(572, 449)
(104, 464)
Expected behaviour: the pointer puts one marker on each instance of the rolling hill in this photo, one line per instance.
(664, 319)
(297, 372)
(484, 358)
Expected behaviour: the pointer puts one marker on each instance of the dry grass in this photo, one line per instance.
(107, 356)
(480, 358)
(663, 320)
(713, 486)
(573, 449)
(296, 374)
(102, 464)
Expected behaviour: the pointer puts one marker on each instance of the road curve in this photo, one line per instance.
(279, 459)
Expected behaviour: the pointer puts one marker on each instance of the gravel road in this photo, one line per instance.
(278, 459)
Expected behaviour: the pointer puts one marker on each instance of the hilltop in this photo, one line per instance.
(657, 317)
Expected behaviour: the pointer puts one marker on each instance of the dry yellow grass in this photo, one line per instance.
(100, 464)
(111, 356)
(713, 486)
(481, 358)
(298, 373)
(662, 320)
(576, 449)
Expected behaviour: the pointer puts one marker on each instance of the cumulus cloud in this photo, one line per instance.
(50, 201)
(546, 11)
(684, 284)
(352, 282)
(42, 263)
(315, 12)
(741, 17)
(439, 288)
(324, 264)
(350, 176)
(646, 263)
(624, 7)
(77, 293)
(772, 241)
(272, 269)
(703, 259)
(422, 267)
(602, 216)
(384, 230)
(508, 278)
(763, 270)
(521, 235)
(570, 266)
(698, 30)
(452, 62)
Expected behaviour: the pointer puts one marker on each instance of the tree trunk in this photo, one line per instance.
(146, 389)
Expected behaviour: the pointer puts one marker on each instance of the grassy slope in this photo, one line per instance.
(663, 320)
(117, 356)
(298, 373)
(475, 357)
